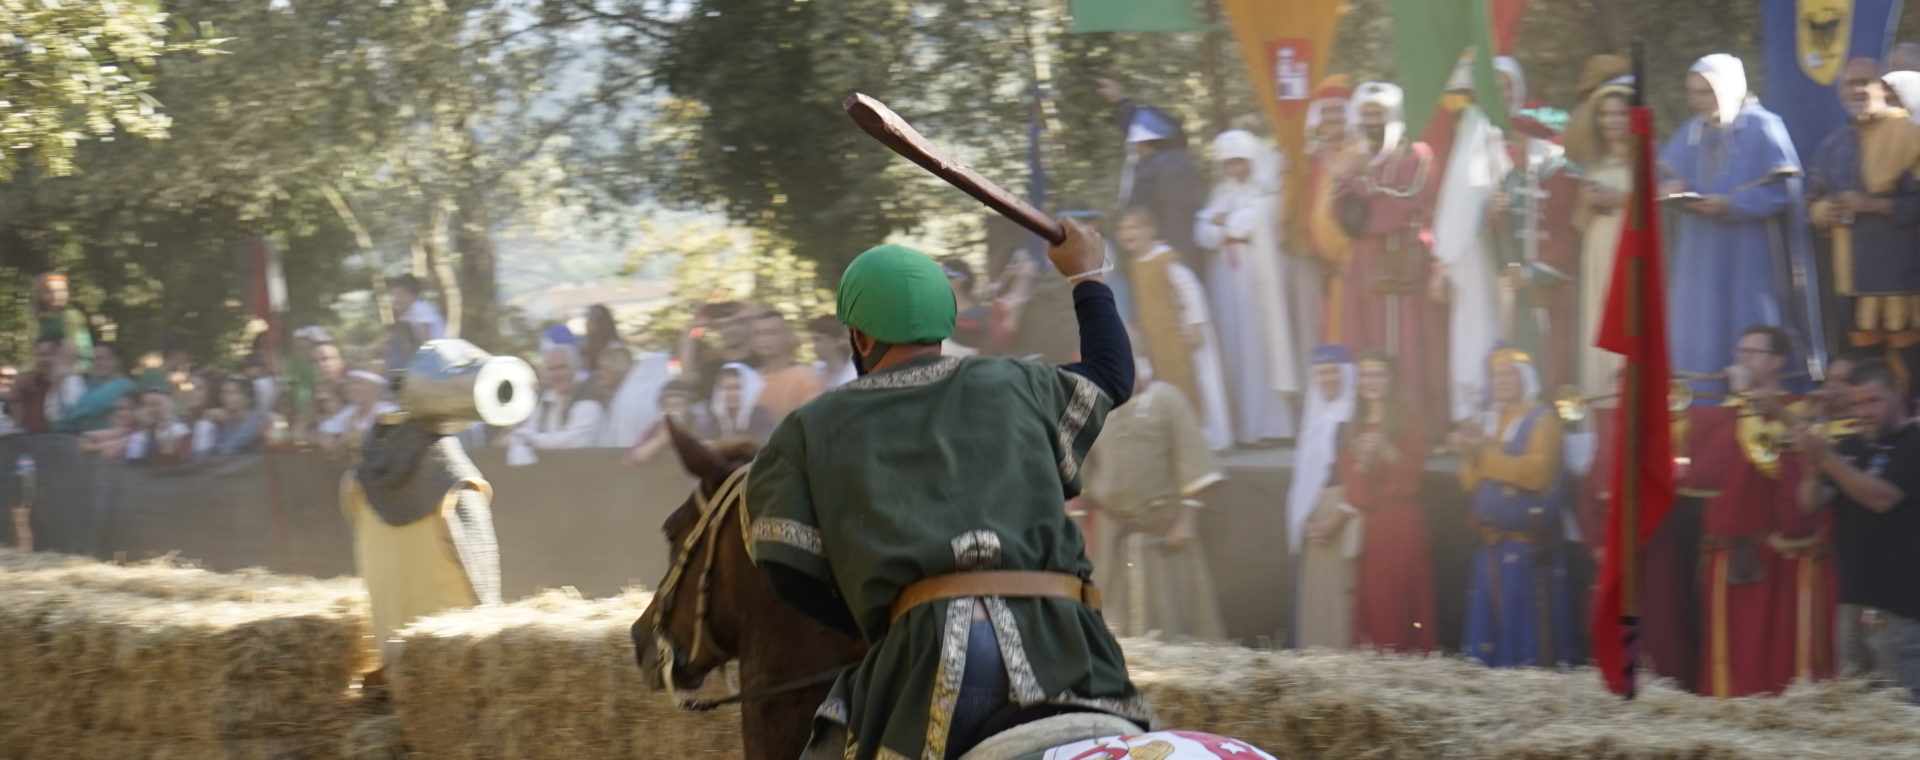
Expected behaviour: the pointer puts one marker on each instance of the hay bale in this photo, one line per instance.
(1344, 704)
(160, 661)
(169, 578)
(376, 738)
(552, 676)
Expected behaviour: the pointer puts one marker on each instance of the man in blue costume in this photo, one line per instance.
(1519, 606)
(1735, 241)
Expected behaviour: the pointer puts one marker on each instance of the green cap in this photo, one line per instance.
(897, 295)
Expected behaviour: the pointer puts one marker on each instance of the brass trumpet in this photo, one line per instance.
(1573, 407)
(1765, 441)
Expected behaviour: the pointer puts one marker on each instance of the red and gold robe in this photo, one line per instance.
(1386, 273)
(1766, 575)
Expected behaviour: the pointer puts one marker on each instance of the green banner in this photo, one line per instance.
(1429, 37)
(1135, 16)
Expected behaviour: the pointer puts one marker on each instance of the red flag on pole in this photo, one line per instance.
(1635, 326)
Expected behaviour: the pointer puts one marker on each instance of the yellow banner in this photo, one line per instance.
(1826, 31)
(1285, 45)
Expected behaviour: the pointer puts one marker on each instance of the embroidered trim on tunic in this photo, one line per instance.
(834, 709)
(946, 683)
(976, 550)
(1072, 421)
(911, 377)
(1026, 687)
(886, 754)
(781, 530)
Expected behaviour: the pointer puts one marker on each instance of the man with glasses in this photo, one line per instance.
(1765, 565)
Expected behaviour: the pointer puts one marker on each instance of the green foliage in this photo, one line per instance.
(752, 123)
(712, 263)
(69, 71)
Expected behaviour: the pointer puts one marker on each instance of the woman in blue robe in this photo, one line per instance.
(1733, 246)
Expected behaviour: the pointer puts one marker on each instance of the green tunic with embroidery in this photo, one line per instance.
(936, 466)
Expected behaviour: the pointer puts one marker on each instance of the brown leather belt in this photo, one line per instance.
(1016, 583)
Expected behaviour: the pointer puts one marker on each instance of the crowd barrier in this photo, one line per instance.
(581, 519)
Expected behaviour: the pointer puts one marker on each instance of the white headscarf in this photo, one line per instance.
(1728, 78)
(750, 387)
(1390, 97)
(1906, 87)
(1316, 451)
(1241, 144)
(635, 407)
(1511, 67)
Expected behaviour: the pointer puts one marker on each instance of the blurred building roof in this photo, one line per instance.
(568, 300)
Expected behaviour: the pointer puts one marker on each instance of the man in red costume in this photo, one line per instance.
(1766, 568)
(1385, 203)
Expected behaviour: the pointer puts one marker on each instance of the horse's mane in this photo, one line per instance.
(731, 453)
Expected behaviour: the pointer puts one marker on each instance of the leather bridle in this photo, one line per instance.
(729, 498)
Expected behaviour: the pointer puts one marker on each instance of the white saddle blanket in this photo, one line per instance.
(1159, 745)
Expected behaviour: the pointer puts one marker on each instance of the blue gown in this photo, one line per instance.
(1516, 584)
(1730, 272)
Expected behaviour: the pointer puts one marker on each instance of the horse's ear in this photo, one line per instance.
(698, 460)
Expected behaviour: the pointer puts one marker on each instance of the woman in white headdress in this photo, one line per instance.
(1240, 224)
(1906, 91)
(737, 412)
(1323, 568)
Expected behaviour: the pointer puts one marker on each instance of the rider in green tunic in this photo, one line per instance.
(929, 465)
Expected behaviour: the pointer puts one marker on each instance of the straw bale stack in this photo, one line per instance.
(1342, 704)
(169, 579)
(552, 676)
(152, 661)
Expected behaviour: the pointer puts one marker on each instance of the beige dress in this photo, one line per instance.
(1149, 462)
(411, 571)
(1600, 241)
(1323, 592)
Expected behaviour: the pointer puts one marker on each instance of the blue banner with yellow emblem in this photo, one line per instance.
(1805, 44)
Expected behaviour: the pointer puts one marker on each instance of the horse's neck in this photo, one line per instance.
(781, 645)
(779, 726)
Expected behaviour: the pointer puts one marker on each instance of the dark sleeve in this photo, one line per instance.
(812, 598)
(1106, 357)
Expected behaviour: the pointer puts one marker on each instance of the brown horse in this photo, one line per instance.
(715, 606)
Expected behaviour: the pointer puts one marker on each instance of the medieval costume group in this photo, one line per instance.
(1429, 301)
